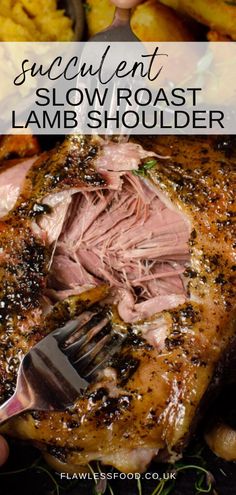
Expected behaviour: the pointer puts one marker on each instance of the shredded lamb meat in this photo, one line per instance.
(126, 236)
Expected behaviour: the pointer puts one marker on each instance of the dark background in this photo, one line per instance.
(38, 482)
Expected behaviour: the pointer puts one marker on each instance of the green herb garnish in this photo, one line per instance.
(162, 488)
(147, 165)
(87, 7)
(203, 484)
(139, 485)
(139, 172)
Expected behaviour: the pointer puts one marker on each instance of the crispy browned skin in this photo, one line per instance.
(150, 399)
(21, 146)
(24, 258)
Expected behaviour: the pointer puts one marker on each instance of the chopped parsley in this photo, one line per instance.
(147, 165)
(194, 461)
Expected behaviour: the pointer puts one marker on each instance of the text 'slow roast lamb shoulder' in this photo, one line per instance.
(153, 221)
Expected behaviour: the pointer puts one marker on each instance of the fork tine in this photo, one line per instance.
(86, 359)
(63, 333)
(92, 371)
(85, 338)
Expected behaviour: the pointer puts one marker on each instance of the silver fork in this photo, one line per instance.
(119, 29)
(55, 372)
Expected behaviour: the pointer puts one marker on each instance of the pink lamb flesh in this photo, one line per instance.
(11, 182)
(126, 236)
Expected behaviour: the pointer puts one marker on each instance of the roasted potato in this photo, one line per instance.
(219, 15)
(216, 36)
(99, 15)
(33, 20)
(150, 21)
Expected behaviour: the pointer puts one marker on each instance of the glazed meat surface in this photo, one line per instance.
(179, 280)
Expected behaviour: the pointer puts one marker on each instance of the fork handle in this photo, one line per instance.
(121, 17)
(12, 407)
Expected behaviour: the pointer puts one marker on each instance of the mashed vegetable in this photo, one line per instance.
(33, 20)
